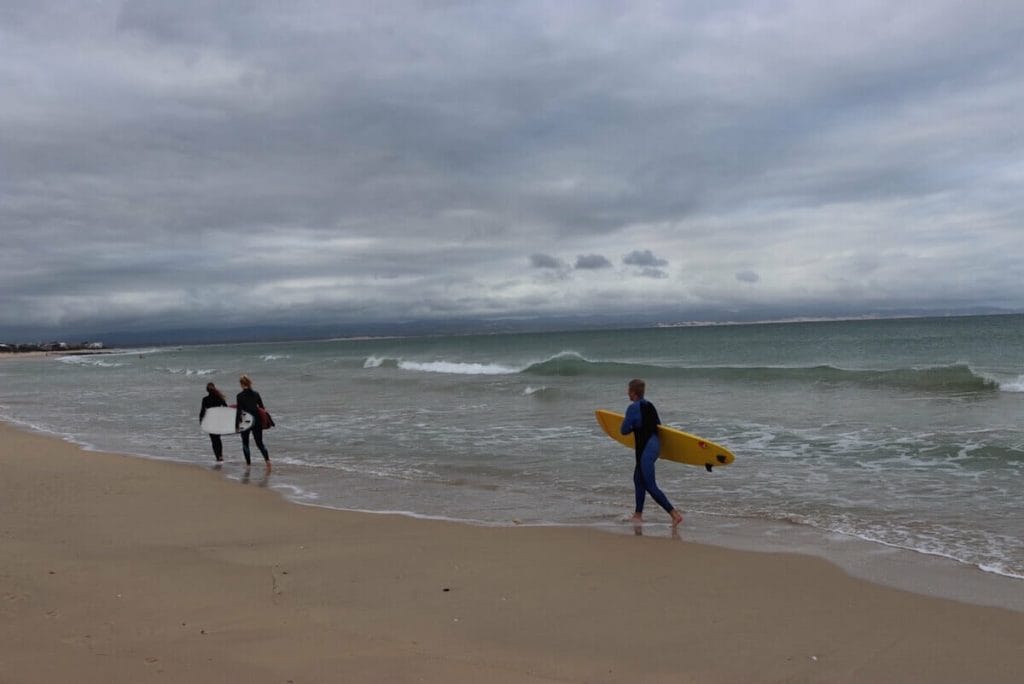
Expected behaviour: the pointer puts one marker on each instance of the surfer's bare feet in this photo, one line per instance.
(677, 518)
(637, 518)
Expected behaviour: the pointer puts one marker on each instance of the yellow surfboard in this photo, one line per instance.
(676, 445)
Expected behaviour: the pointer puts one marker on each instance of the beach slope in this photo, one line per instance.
(120, 569)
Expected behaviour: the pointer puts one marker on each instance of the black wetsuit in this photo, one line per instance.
(250, 401)
(209, 401)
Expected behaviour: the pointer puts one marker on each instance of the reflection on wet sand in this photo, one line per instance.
(261, 482)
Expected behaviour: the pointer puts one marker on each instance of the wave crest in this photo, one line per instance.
(95, 360)
(955, 378)
(446, 367)
(190, 372)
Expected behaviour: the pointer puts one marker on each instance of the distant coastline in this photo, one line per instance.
(825, 319)
(367, 330)
(54, 347)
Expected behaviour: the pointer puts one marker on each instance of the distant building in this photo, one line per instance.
(6, 348)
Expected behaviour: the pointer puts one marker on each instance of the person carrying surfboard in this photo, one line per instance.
(642, 420)
(214, 397)
(250, 401)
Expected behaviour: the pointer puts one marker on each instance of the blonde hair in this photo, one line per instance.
(245, 381)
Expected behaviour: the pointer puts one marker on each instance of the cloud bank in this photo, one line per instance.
(220, 163)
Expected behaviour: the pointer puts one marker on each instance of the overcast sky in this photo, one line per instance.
(199, 163)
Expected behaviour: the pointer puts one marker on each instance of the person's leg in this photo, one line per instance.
(639, 491)
(245, 446)
(257, 435)
(647, 461)
(218, 447)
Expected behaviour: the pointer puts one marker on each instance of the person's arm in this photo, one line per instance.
(259, 400)
(631, 421)
(202, 412)
(238, 412)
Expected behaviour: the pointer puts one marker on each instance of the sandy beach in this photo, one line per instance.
(121, 569)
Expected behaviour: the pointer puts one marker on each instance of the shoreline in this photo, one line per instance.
(122, 568)
(930, 575)
(918, 572)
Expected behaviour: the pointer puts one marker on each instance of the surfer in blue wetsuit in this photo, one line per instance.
(214, 397)
(642, 420)
(250, 401)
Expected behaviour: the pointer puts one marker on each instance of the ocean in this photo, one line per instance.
(865, 438)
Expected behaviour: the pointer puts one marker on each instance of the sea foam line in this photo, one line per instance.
(994, 567)
(455, 368)
(468, 368)
(90, 360)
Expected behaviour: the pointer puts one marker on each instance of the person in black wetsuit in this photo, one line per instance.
(251, 402)
(214, 397)
(642, 420)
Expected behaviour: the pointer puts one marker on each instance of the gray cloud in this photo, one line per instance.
(747, 277)
(400, 160)
(545, 261)
(643, 258)
(591, 262)
(655, 273)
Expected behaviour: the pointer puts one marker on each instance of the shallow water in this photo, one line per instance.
(901, 433)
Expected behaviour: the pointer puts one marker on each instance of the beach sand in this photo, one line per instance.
(122, 569)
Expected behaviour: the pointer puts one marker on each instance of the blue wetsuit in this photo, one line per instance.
(642, 420)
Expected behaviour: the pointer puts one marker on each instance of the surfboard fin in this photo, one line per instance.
(708, 466)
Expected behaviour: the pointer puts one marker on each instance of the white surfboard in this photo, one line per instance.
(220, 420)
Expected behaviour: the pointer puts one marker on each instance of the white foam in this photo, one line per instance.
(90, 360)
(455, 368)
(296, 493)
(1013, 386)
(190, 372)
(996, 569)
(438, 518)
(50, 432)
(466, 368)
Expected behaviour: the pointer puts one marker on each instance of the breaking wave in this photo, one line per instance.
(956, 378)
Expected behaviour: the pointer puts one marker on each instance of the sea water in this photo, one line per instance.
(901, 434)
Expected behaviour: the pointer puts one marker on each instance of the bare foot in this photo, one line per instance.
(637, 518)
(677, 518)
